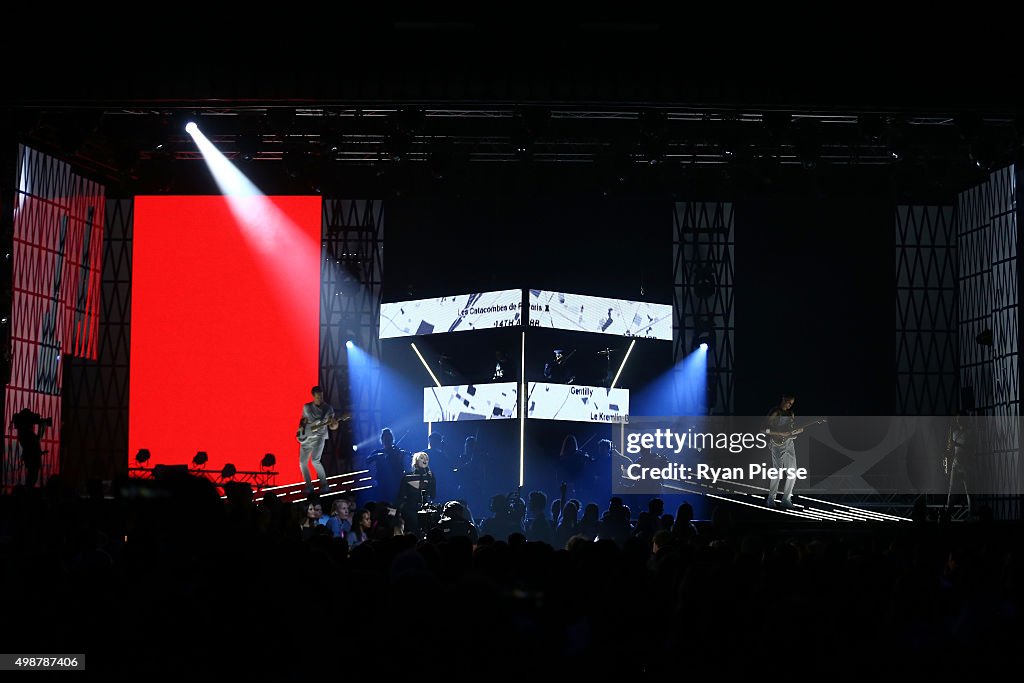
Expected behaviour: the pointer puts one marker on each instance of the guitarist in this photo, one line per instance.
(781, 432)
(312, 446)
(959, 445)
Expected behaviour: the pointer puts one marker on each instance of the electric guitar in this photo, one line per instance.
(307, 429)
(795, 432)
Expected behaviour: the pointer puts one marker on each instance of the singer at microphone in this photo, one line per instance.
(417, 488)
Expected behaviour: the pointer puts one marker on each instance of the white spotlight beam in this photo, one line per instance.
(427, 367)
(231, 182)
(623, 364)
(284, 249)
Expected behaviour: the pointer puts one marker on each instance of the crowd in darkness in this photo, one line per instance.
(167, 577)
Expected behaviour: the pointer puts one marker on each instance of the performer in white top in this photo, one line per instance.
(317, 419)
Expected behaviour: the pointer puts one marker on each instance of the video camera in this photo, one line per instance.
(25, 418)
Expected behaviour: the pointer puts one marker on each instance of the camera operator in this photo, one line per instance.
(456, 520)
(32, 451)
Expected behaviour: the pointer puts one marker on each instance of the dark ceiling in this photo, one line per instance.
(441, 94)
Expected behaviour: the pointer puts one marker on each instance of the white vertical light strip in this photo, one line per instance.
(522, 406)
(624, 359)
(425, 364)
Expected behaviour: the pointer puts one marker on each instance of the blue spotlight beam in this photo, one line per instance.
(682, 390)
(399, 411)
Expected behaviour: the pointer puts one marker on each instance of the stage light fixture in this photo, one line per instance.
(200, 458)
(349, 344)
(228, 471)
(295, 162)
(777, 123)
(249, 145)
(653, 142)
(396, 146)
(968, 124)
(983, 155)
(523, 145)
(355, 448)
(142, 456)
(872, 126)
(191, 128)
(807, 142)
(268, 461)
(703, 333)
(441, 157)
(703, 346)
(705, 281)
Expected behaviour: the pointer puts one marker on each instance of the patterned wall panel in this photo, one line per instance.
(703, 263)
(58, 233)
(350, 296)
(95, 438)
(8, 161)
(989, 304)
(83, 291)
(926, 311)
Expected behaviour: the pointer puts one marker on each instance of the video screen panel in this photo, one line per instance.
(481, 310)
(498, 401)
(603, 315)
(577, 403)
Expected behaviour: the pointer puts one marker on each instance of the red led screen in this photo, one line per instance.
(224, 328)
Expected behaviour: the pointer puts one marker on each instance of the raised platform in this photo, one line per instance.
(809, 508)
(338, 484)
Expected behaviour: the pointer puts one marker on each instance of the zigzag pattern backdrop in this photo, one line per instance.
(926, 311)
(703, 242)
(58, 237)
(989, 300)
(350, 296)
(95, 438)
